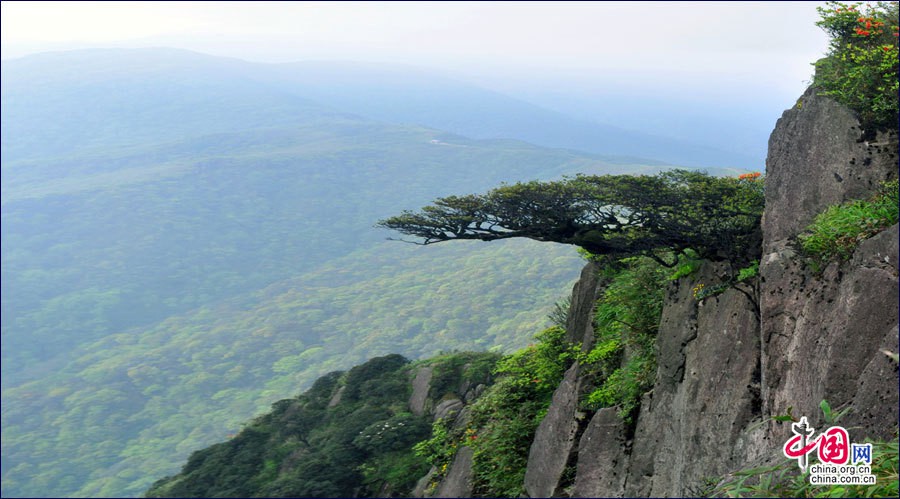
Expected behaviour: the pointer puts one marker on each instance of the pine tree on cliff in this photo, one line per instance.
(614, 215)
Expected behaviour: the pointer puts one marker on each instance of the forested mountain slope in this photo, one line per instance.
(176, 236)
(162, 231)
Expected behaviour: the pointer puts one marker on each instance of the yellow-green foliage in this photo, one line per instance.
(504, 419)
(686, 266)
(861, 67)
(623, 359)
(135, 399)
(836, 232)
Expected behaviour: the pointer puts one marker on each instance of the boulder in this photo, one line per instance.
(420, 385)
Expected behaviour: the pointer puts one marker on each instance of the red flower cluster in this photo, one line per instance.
(750, 176)
(869, 23)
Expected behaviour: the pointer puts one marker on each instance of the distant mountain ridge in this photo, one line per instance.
(391, 93)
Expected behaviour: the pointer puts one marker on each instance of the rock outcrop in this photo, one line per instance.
(458, 482)
(556, 439)
(555, 444)
(579, 328)
(602, 465)
(420, 386)
(707, 390)
(821, 334)
(816, 159)
(728, 363)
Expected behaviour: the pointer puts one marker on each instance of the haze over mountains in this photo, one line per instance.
(186, 239)
(392, 93)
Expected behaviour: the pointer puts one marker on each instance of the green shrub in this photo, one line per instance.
(439, 449)
(702, 291)
(503, 425)
(399, 432)
(397, 472)
(450, 369)
(560, 313)
(687, 265)
(837, 231)
(625, 386)
(748, 272)
(860, 69)
(542, 363)
(503, 420)
(785, 479)
(623, 359)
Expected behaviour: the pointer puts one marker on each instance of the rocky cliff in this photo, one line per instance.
(725, 364)
(728, 363)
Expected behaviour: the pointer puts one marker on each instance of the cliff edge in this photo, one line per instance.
(726, 365)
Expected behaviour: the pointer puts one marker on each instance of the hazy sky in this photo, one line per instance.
(768, 41)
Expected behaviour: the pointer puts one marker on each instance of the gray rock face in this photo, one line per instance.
(817, 159)
(448, 409)
(555, 439)
(707, 390)
(336, 398)
(422, 484)
(473, 393)
(579, 328)
(420, 386)
(458, 482)
(602, 462)
(823, 335)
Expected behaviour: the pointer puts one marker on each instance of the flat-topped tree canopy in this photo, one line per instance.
(616, 215)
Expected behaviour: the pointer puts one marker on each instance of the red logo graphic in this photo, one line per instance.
(833, 444)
